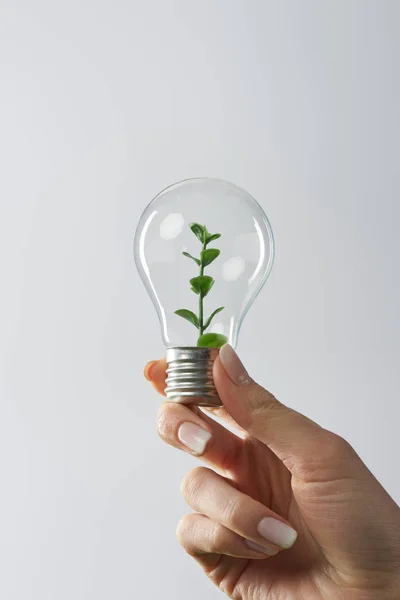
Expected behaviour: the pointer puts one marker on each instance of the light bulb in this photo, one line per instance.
(203, 248)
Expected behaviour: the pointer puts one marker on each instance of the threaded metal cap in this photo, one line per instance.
(189, 376)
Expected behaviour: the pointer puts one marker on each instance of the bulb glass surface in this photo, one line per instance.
(246, 255)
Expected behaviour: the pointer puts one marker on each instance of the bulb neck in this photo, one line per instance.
(189, 376)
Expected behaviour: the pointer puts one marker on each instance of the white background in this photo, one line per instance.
(104, 103)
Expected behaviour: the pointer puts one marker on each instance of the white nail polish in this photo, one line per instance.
(277, 532)
(193, 437)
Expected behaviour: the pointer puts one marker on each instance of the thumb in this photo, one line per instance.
(291, 436)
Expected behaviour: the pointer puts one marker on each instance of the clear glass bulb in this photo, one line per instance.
(231, 247)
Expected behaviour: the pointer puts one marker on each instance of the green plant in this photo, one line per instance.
(201, 285)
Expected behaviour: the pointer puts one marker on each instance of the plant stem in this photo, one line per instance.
(201, 298)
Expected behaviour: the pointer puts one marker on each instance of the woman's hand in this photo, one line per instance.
(287, 511)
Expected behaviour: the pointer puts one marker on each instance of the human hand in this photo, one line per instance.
(288, 510)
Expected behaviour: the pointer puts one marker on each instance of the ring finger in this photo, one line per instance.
(206, 540)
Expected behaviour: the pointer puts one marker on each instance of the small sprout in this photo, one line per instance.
(201, 285)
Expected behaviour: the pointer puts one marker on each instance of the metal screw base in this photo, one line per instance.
(189, 376)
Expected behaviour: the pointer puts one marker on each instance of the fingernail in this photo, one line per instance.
(233, 365)
(277, 532)
(194, 437)
(268, 550)
(148, 369)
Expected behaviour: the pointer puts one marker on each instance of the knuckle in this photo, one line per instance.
(328, 454)
(233, 512)
(193, 482)
(336, 448)
(263, 404)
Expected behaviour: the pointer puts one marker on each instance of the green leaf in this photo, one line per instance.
(202, 284)
(188, 315)
(199, 231)
(196, 260)
(212, 236)
(212, 340)
(208, 256)
(210, 318)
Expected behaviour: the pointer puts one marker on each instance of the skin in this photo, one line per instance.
(280, 464)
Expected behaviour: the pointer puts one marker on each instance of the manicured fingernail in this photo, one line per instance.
(148, 369)
(194, 437)
(277, 532)
(268, 550)
(233, 365)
